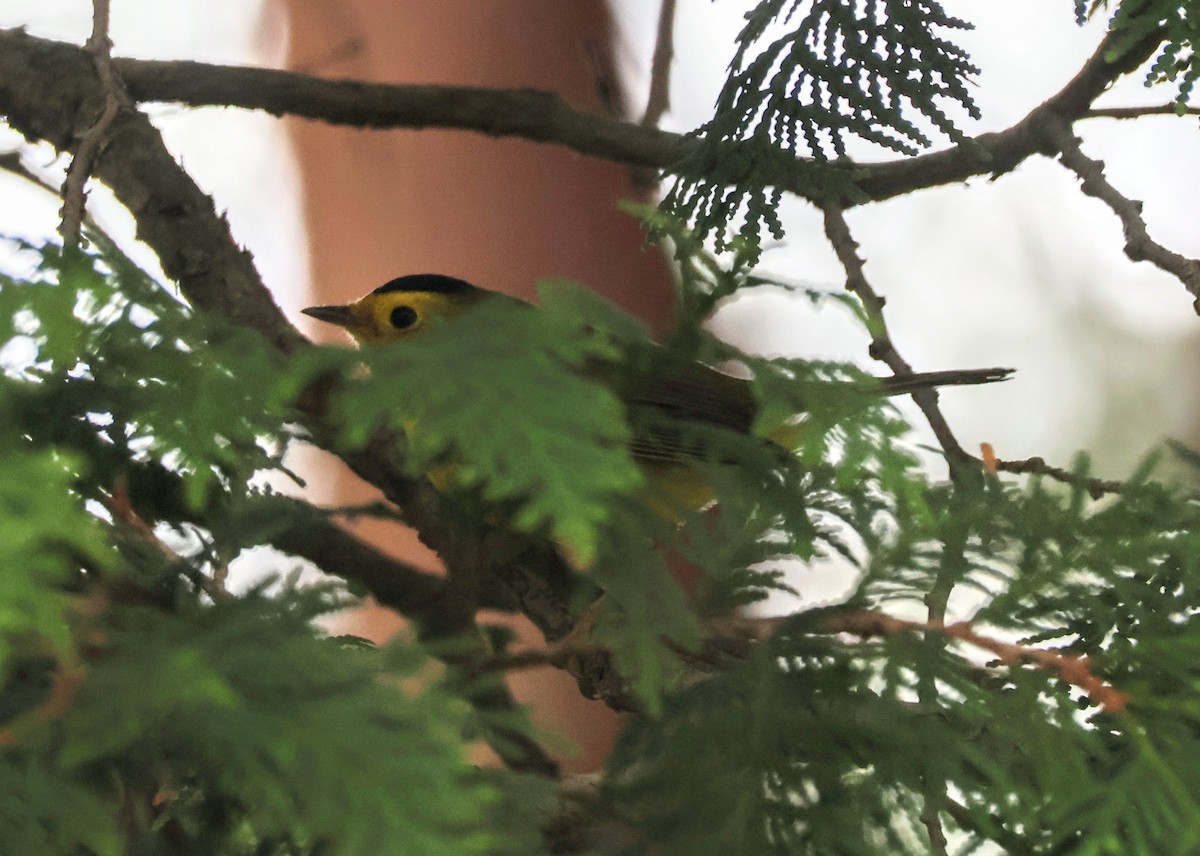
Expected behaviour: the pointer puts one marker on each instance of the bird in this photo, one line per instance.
(671, 402)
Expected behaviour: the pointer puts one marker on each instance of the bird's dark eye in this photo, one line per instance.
(403, 317)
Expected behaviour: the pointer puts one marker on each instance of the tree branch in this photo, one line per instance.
(297, 528)
(883, 349)
(1138, 112)
(1096, 488)
(543, 117)
(1071, 669)
(1139, 246)
(658, 101)
(45, 89)
(527, 113)
(99, 46)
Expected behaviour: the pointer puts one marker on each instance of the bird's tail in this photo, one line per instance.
(903, 384)
(788, 435)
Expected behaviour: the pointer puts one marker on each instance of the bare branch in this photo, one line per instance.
(533, 115)
(11, 162)
(308, 533)
(659, 99)
(882, 348)
(99, 46)
(736, 636)
(932, 822)
(1139, 246)
(1138, 112)
(1071, 669)
(528, 113)
(1096, 488)
(543, 117)
(557, 656)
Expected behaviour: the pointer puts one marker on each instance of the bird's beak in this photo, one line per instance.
(339, 315)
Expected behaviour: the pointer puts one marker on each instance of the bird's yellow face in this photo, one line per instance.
(402, 307)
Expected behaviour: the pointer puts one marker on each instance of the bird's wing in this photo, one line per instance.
(675, 405)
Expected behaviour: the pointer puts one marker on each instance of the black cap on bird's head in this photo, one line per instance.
(433, 283)
(400, 306)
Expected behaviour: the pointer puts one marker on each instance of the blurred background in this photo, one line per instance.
(1023, 272)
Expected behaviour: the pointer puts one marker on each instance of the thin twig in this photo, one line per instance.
(658, 101)
(933, 826)
(557, 656)
(1073, 670)
(99, 46)
(951, 569)
(120, 506)
(1096, 488)
(868, 623)
(1013, 845)
(882, 348)
(1139, 246)
(12, 163)
(1138, 112)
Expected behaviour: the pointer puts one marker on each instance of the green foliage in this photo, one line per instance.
(1179, 26)
(138, 715)
(643, 608)
(47, 812)
(840, 748)
(500, 402)
(890, 50)
(144, 709)
(118, 370)
(268, 719)
(841, 70)
(44, 535)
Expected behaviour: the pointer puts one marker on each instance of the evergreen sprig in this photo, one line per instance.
(142, 707)
(1179, 23)
(842, 70)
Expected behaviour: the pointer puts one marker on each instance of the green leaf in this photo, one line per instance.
(842, 71)
(47, 814)
(309, 738)
(644, 617)
(501, 404)
(44, 534)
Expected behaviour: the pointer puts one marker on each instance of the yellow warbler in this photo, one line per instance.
(662, 398)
